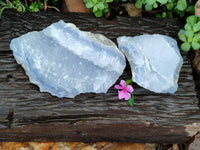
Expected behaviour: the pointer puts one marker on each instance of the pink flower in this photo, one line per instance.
(124, 90)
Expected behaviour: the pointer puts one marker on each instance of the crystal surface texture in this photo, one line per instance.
(155, 61)
(65, 61)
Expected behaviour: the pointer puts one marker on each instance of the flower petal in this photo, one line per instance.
(121, 94)
(127, 95)
(130, 88)
(123, 83)
(118, 87)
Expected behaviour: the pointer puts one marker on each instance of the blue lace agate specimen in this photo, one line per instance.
(65, 61)
(155, 61)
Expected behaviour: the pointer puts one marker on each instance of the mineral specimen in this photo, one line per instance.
(65, 61)
(155, 61)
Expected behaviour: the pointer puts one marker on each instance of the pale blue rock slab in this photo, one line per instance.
(155, 61)
(65, 61)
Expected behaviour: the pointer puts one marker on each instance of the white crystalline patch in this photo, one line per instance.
(65, 61)
(155, 61)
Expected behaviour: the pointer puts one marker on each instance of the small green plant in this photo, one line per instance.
(15, 4)
(32, 6)
(36, 6)
(149, 4)
(120, 0)
(169, 7)
(98, 7)
(190, 35)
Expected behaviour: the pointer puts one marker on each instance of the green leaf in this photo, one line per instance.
(164, 14)
(106, 5)
(170, 6)
(196, 38)
(95, 8)
(158, 15)
(181, 35)
(98, 13)
(31, 7)
(94, 1)
(155, 5)
(131, 100)
(105, 10)
(189, 34)
(109, 1)
(1, 11)
(191, 19)
(150, 2)
(138, 4)
(19, 9)
(189, 39)
(40, 5)
(181, 5)
(196, 27)
(195, 45)
(22, 9)
(89, 4)
(36, 10)
(2, 3)
(129, 81)
(148, 7)
(86, 1)
(181, 13)
(182, 38)
(185, 47)
(162, 1)
(100, 6)
(191, 9)
(188, 26)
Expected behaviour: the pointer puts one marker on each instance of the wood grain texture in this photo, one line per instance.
(29, 115)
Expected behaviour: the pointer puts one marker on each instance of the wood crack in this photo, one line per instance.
(72, 119)
(10, 118)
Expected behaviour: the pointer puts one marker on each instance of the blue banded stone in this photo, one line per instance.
(65, 61)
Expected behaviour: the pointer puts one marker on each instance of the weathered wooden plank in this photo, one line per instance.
(27, 114)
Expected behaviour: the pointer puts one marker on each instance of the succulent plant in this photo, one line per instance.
(190, 35)
(98, 7)
(171, 6)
